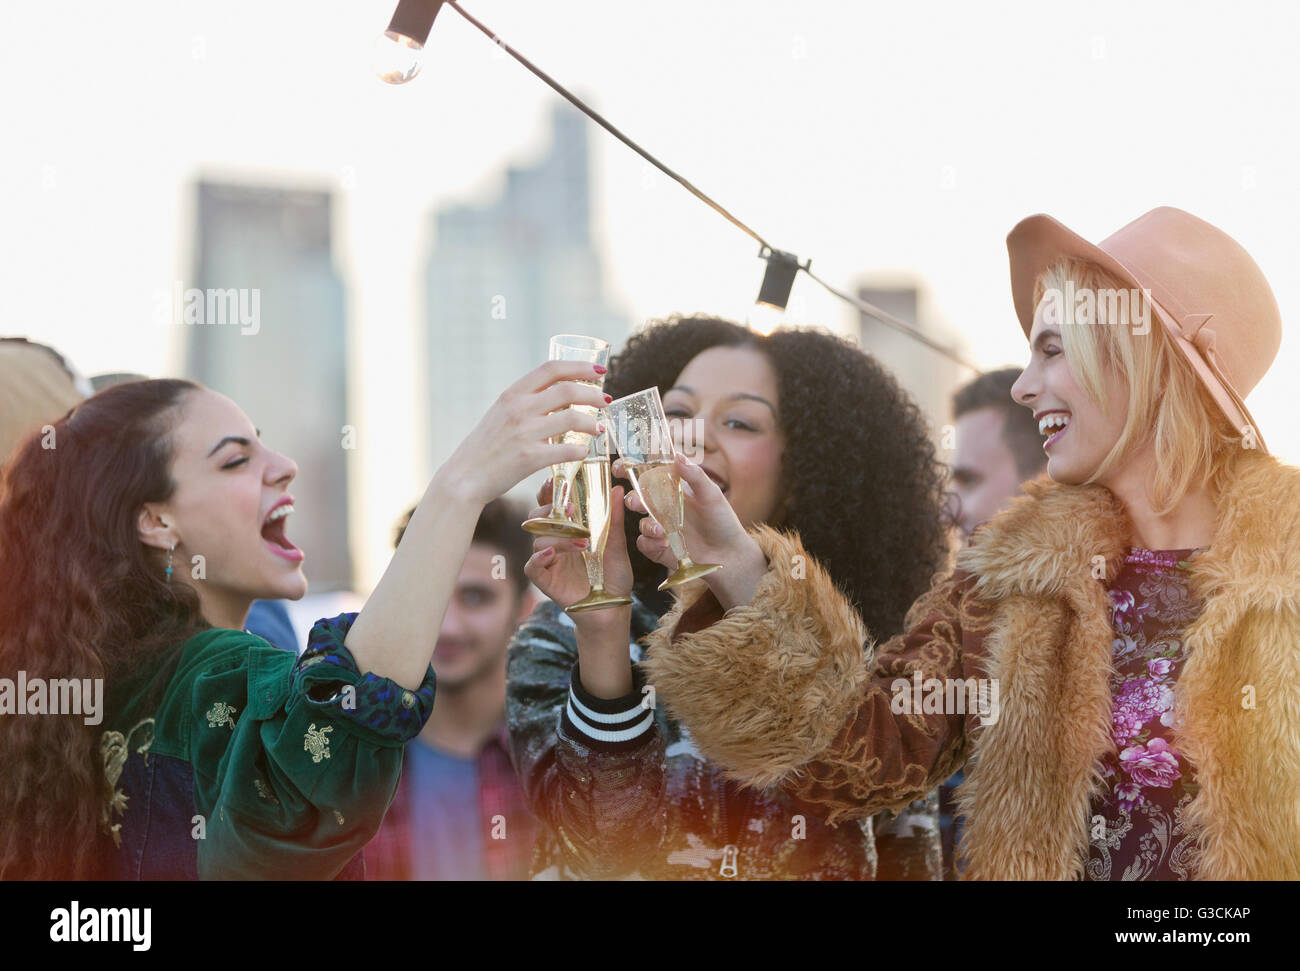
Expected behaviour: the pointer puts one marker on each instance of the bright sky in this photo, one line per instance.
(899, 138)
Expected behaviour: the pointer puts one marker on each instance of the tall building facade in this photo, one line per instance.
(503, 277)
(283, 361)
(927, 375)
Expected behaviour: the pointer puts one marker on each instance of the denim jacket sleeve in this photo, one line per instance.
(593, 770)
(295, 759)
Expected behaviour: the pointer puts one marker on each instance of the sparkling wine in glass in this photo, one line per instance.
(570, 347)
(644, 441)
(591, 499)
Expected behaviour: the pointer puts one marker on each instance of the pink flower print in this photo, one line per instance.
(1160, 666)
(1139, 701)
(1154, 765)
(1129, 796)
(1124, 612)
(1166, 705)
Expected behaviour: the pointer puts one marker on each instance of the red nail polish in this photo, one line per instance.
(600, 369)
(608, 398)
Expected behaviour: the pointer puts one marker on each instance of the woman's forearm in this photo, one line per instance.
(604, 664)
(395, 633)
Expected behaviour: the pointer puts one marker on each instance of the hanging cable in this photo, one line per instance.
(861, 305)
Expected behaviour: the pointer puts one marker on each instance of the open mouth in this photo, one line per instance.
(273, 533)
(722, 483)
(1053, 425)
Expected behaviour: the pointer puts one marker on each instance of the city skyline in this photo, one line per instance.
(914, 163)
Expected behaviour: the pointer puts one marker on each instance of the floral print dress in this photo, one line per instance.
(1136, 820)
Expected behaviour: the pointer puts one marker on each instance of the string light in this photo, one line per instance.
(399, 49)
(778, 278)
(412, 22)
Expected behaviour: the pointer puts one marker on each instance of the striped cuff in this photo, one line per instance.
(607, 725)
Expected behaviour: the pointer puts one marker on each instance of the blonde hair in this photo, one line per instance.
(1192, 440)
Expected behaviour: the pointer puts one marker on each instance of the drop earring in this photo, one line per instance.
(169, 562)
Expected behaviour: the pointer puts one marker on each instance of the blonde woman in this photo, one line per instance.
(1116, 658)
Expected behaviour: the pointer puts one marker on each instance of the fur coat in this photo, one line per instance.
(781, 691)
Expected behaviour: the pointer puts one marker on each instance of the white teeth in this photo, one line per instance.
(1057, 419)
(278, 513)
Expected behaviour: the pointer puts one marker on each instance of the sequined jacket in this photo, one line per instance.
(622, 792)
(780, 692)
(254, 763)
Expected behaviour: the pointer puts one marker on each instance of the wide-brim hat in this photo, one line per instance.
(1209, 295)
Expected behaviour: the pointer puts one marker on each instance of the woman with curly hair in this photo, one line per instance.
(1136, 615)
(135, 532)
(800, 431)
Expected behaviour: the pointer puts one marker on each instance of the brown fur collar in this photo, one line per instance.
(1238, 699)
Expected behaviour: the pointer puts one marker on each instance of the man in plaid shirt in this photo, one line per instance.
(459, 812)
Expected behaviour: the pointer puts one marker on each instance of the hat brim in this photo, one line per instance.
(1038, 241)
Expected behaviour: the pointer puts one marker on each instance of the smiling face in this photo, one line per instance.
(1078, 434)
(731, 394)
(486, 607)
(230, 507)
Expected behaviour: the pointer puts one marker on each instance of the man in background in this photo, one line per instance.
(459, 812)
(998, 447)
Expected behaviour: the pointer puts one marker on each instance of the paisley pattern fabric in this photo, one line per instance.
(1138, 832)
(377, 704)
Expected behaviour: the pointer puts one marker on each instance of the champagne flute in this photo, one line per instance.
(591, 498)
(645, 443)
(569, 347)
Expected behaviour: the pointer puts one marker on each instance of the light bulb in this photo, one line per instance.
(763, 318)
(396, 57)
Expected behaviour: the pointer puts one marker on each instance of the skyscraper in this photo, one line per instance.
(928, 376)
(286, 369)
(505, 276)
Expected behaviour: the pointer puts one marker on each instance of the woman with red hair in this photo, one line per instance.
(134, 536)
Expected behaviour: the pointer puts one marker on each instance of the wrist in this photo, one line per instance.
(742, 571)
(451, 489)
(597, 626)
(605, 666)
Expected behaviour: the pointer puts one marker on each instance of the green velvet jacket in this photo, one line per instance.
(253, 763)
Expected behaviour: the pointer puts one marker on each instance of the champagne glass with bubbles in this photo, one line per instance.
(591, 498)
(570, 347)
(645, 444)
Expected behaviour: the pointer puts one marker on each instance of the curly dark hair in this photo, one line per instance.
(862, 485)
(81, 597)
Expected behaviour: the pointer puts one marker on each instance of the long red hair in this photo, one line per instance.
(80, 597)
